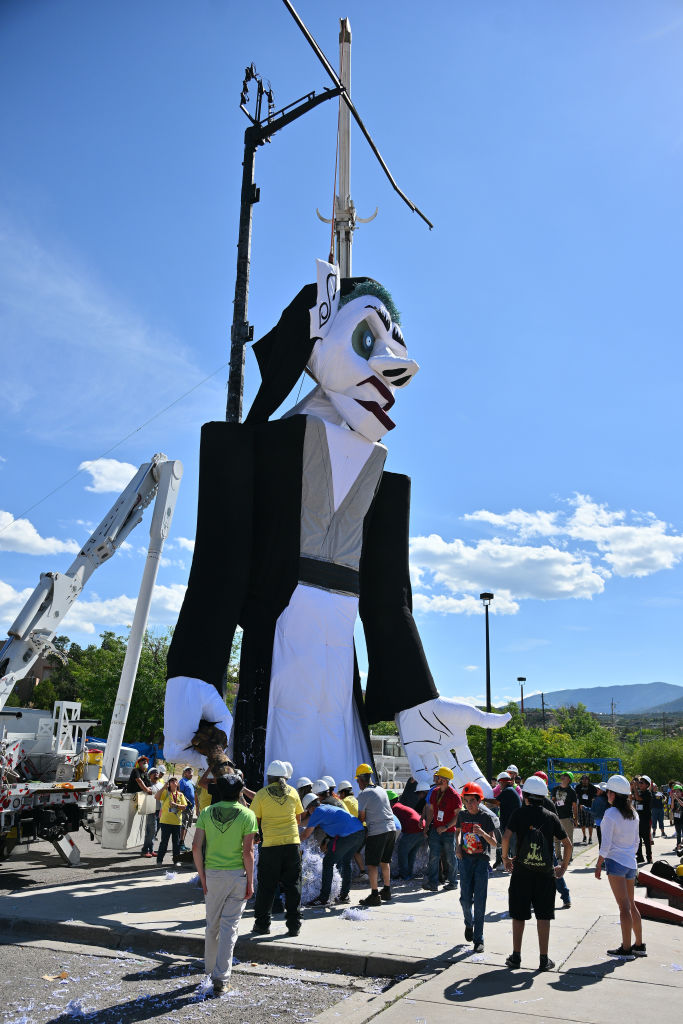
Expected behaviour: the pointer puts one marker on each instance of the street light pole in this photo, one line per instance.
(486, 599)
(521, 680)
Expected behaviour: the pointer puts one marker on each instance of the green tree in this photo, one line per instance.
(576, 721)
(661, 759)
(97, 675)
(61, 671)
(232, 677)
(44, 695)
(518, 744)
(384, 729)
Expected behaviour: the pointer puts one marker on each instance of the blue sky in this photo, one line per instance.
(542, 434)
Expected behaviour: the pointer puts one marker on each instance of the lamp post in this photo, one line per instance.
(486, 599)
(521, 680)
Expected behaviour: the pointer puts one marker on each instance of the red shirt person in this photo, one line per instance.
(412, 835)
(441, 814)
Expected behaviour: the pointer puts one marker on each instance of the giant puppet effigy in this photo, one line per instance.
(299, 530)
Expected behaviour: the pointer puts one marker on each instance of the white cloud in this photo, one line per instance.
(582, 545)
(511, 571)
(11, 603)
(21, 537)
(467, 605)
(526, 524)
(108, 475)
(471, 668)
(637, 549)
(185, 543)
(95, 615)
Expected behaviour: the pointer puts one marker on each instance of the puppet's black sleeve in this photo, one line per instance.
(202, 638)
(398, 673)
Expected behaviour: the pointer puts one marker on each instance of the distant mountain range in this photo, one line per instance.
(628, 700)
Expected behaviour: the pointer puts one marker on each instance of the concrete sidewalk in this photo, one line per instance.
(419, 934)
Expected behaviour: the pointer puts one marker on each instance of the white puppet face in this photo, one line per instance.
(360, 363)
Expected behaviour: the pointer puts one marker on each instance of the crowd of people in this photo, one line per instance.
(527, 830)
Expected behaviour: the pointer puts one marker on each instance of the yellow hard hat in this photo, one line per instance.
(679, 870)
(444, 772)
(363, 769)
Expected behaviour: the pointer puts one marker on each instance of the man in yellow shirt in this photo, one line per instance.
(278, 809)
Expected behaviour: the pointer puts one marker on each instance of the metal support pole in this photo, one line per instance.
(487, 598)
(241, 332)
(345, 212)
(489, 733)
(543, 708)
(521, 680)
(170, 474)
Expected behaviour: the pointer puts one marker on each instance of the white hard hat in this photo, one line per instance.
(308, 800)
(512, 768)
(320, 786)
(344, 784)
(503, 775)
(534, 786)
(330, 781)
(277, 770)
(645, 778)
(303, 781)
(602, 786)
(619, 784)
(290, 769)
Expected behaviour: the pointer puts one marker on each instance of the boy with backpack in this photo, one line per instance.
(533, 876)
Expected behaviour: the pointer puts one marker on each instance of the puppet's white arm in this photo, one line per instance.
(488, 721)
(187, 701)
(435, 733)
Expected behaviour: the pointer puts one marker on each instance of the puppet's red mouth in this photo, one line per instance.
(374, 407)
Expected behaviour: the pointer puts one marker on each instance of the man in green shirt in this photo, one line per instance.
(223, 852)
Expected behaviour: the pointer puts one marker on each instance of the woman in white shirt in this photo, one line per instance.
(618, 846)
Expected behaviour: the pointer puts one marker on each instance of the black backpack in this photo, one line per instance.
(534, 852)
(662, 869)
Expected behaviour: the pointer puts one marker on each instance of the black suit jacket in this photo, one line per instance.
(246, 566)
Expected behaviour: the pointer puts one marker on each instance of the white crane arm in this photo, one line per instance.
(34, 628)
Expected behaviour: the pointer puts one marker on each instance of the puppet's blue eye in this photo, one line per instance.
(363, 340)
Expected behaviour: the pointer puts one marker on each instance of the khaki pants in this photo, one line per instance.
(568, 825)
(225, 903)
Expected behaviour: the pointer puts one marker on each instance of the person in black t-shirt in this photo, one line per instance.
(585, 794)
(566, 808)
(138, 780)
(508, 801)
(533, 876)
(643, 808)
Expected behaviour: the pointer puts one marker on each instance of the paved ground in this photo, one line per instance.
(120, 902)
(57, 982)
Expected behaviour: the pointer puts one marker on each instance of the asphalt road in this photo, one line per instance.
(39, 864)
(57, 983)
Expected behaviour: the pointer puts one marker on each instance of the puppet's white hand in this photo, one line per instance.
(187, 702)
(435, 733)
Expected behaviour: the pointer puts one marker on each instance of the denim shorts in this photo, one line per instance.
(612, 867)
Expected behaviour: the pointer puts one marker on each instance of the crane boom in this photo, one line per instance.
(32, 632)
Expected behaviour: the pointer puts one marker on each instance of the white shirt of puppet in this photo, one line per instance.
(359, 358)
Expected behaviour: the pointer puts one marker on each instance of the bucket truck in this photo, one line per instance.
(48, 786)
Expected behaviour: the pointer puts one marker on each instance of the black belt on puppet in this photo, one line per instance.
(328, 576)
